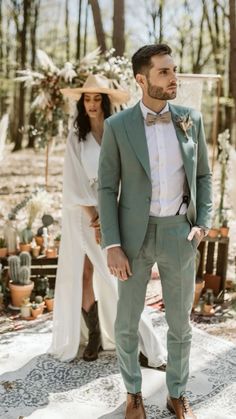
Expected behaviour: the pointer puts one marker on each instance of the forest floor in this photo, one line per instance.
(23, 172)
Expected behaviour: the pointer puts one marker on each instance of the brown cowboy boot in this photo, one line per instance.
(94, 343)
(134, 407)
(180, 407)
(143, 360)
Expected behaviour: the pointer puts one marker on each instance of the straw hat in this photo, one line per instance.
(96, 83)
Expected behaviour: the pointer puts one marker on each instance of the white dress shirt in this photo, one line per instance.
(166, 165)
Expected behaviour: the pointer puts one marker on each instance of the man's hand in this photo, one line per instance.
(196, 232)
(118, 263)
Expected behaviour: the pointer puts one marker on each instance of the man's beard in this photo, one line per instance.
(156, 92)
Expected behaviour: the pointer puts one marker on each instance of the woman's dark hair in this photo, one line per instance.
(82, 122)
(141, 60)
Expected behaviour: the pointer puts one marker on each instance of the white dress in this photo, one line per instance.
(77, 240)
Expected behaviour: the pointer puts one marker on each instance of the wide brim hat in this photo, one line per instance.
(96, 83)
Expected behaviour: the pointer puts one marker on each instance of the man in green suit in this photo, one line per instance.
(155, 206)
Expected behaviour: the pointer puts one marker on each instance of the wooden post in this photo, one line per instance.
(46, 166)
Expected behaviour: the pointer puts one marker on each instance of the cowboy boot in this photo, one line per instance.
(134, 407)
(180, 407)
(94, 342)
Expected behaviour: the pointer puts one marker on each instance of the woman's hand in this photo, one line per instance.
(96, 225)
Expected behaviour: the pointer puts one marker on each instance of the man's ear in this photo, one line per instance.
(141, 80)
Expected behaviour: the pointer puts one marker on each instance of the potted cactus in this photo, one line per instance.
(37, 306)
(20, 284)
(26, 237)
(49, 299)
(3, 248)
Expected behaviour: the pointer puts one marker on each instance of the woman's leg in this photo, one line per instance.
(88, 298)
(90, 313)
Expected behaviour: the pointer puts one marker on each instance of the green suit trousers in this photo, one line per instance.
(165, 243)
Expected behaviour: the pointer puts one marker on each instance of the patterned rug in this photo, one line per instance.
(34, 385)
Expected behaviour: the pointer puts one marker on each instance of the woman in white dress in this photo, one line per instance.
(84, 283)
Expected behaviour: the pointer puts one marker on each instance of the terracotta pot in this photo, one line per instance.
(19, 292)
(213, 232)
(49, 303)
(224, 231)
(39, 240)
(36, 251)
(51, 253)
(37, 311)
(3, 252)
(208, 309)
(198, 290)
(25, 247)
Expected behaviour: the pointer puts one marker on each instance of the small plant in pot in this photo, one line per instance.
(3, 248)
(49, 299)
(20, 284)
(37, 306)
(224, 229)
(26, 236)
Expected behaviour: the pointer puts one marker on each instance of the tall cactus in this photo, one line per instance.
(24, 275)
(14, 268)
(25, 259)
(19, 268)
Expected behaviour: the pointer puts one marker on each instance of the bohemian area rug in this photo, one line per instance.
(34, 385)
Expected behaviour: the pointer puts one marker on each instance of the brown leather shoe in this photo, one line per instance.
(143, 360)
(180, 407)
(134, 407)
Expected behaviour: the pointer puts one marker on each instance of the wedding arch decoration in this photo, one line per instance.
(52, 109)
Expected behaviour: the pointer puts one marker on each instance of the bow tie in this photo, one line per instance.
(152, 119)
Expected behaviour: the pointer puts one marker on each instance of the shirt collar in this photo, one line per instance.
(146, 110)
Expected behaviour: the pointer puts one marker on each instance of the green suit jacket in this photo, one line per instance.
(124, 180)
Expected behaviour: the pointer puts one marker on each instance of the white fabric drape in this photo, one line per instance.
(80, 188)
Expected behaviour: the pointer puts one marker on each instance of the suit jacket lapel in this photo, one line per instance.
(134, 125)
(187, 144)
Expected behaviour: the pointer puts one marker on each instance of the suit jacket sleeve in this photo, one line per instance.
(203, 182)
(108, 187)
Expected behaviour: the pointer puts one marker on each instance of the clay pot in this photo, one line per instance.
(224, 231)
(36, 251)
(208, 310)
(37, 311)
(197, 294)
(19, 292)
(39, 240)
(25, 247)
(213, 233)
(3, 252)
(49, 303)
(51, 253)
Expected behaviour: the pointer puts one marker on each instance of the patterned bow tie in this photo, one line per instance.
(152, 119)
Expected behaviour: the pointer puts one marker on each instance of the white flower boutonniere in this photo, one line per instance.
(184, 122)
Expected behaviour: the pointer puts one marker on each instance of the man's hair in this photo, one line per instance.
(141, 60)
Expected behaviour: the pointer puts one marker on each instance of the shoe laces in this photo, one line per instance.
(185, 403)
(136, 399)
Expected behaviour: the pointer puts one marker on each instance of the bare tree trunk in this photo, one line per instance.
(1, 39)
(23, 49)
(232, 61)
(78, 40)
(161, 20)
(118, 38)
(97, 18)
(86, 29)
(33, 31)
(67, 28)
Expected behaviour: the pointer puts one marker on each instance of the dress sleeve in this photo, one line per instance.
(76, 187)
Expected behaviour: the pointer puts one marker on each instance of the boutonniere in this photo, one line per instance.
(184, 122)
